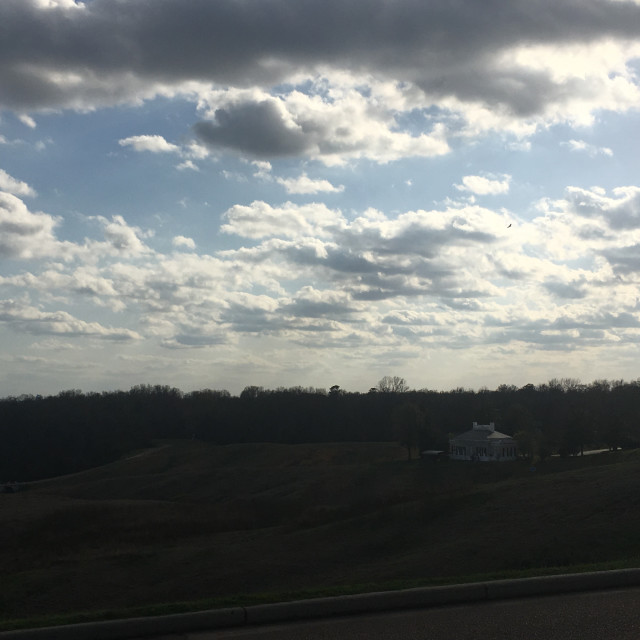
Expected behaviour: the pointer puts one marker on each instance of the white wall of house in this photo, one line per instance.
(483, 443)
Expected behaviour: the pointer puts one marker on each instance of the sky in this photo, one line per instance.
(217, 194)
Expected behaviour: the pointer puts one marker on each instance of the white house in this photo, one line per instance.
(483, 443)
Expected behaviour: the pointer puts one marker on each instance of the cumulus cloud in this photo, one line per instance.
(304, 184)
(348, 126)
(260, 129)
(620, 212)
(123, 237)
(339, 92)
(373, 257)
(589, 149)
(312, 87)
(446, 278)
(27, 120)
(187, 164)
(187, 300)
(586, 222)
(157, 144)
(194, 340)
(29, 319)
(439, 46)
(16, 187)
(58, 4)
(262, 169)
(485, 185)
(565, 290)
(24, 234)
(625, 260)
(260, 220)
(312, 303)
(152, 143)
(28, 235)
(182, 241)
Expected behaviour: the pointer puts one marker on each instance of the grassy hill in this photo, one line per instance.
(190, 521)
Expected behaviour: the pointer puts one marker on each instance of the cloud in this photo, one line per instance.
(16, 187)
(348, 126)
(481, 185)
(262, 169)
(260, 129)
(157, 144)
(152, 143)
(63, 54)
(565, 290)
(586, 223)
(624, 260)
(247, 313)
(589, 149)
(343, 91)
(28, 121)
(181, 241)
(373, 257)
(194, 341)
(122, 237)
(24, 234)
(304, 184)
(187, 164)
(312, 303)
(260, 220)
(29, 319)
(58, 4)
(570, 330)
(28, 235)
(620, 212)
(307, 276)
(186, 300)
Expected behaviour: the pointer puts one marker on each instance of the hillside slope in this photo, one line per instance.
(188, 520)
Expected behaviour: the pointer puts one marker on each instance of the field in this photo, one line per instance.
(187, 521)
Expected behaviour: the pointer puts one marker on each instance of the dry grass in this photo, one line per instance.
(188, 521)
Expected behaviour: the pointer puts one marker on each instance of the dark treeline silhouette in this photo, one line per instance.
(47, 436)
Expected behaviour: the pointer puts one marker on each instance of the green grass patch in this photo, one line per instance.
(247, 600)
(189, 524)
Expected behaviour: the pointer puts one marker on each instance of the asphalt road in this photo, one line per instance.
(601, 615)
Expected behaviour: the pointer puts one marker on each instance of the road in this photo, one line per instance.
(594, 615)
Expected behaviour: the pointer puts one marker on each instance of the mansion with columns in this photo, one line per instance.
(483, 443)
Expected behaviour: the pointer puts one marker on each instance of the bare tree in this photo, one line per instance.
(393, 384)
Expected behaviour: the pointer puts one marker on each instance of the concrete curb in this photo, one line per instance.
(135, 627)
(334, 606)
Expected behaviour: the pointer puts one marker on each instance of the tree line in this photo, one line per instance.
(47, 436)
